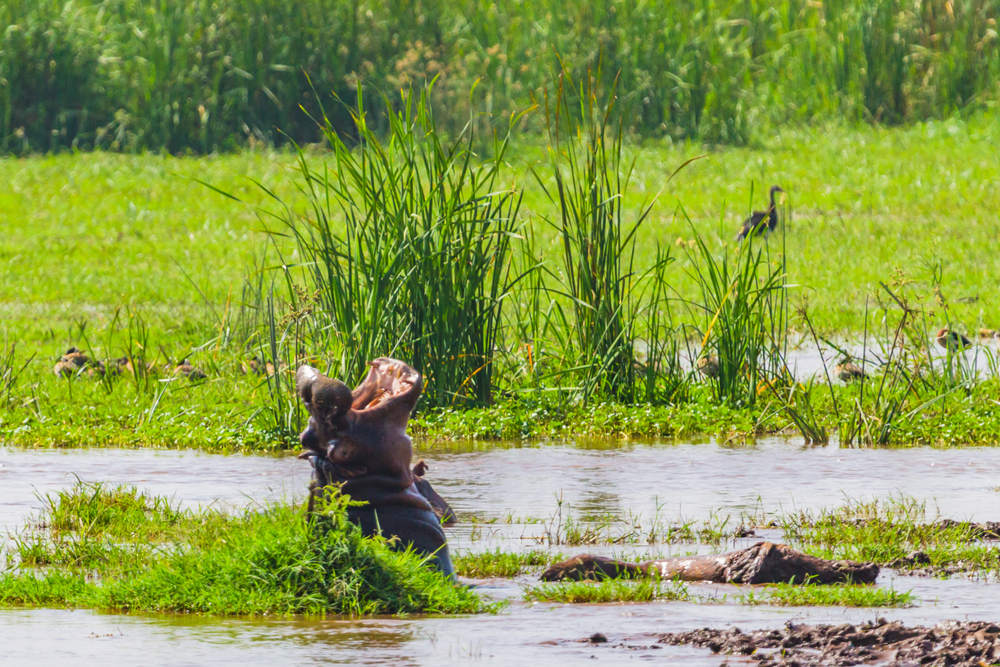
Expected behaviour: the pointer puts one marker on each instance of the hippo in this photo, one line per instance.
(358, 440)
(762, 563)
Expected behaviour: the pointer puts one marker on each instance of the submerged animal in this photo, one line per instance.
(755, 224)
(762, 563)
(952, 340)
(708, 366)
(358, 440)
(848, 371)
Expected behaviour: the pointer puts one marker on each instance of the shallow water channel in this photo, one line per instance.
(511, 483)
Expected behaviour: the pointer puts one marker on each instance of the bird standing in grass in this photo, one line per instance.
(952, 340)
(708, 366)
(755, 224)
(847, 371)
(187, 370)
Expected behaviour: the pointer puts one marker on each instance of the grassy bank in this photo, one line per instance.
(129, 255)
(119, 549)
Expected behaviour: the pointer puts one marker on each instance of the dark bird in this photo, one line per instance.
(755, 223)
(188, 371)
(952, 340)
(848, 371)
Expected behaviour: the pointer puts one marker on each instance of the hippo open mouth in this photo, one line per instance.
(362, 432)
(358, 445)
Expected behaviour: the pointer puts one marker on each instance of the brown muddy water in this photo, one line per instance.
(666, 480)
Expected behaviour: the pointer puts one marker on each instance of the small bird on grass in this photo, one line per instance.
(755, 224)
(187, 370)
(71, 363)
(952, 340)
(989, 333)
(848, 371)
(708, 366)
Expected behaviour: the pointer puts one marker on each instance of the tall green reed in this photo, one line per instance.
(600, 279)
(744, 308)
(407, 241)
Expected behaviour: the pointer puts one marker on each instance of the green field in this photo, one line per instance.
(88, 234)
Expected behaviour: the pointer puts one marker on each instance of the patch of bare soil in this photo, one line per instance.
(883, 642)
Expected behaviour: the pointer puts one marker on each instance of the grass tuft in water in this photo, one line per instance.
(263, 561)
(501, 564)
(842, 595)
(608, 590)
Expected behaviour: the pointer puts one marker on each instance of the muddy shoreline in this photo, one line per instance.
(883, 642)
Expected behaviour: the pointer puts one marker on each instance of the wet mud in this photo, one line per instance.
(962, 644)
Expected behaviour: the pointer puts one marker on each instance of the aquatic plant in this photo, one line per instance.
(837, 595)
(607, 590)
(149, 555)
(499, 563)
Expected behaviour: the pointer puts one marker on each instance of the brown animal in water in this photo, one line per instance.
(73, 362)
(849, 371)
(357, 441)
(952, 340)
(762, 563)
(755, 224)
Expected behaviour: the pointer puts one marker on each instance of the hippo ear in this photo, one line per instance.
(305, 377)
(331, 397)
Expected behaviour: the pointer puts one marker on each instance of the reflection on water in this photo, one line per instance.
(676, 480)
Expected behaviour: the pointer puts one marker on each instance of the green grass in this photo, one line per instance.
(89, 233)
(883, 531)
(501, 564)
(608, 590)
(788, 595)
(213, 74)
(115, 548)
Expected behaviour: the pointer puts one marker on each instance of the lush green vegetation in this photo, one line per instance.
(503, 564)
(889, 531)
(116, 548)
(203, 75)
(608, 590)
(126, 255)
(648, 590)
(788, 595)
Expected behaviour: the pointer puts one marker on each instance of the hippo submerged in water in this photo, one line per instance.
(358, 440)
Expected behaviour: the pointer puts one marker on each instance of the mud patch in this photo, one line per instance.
(881, 642)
